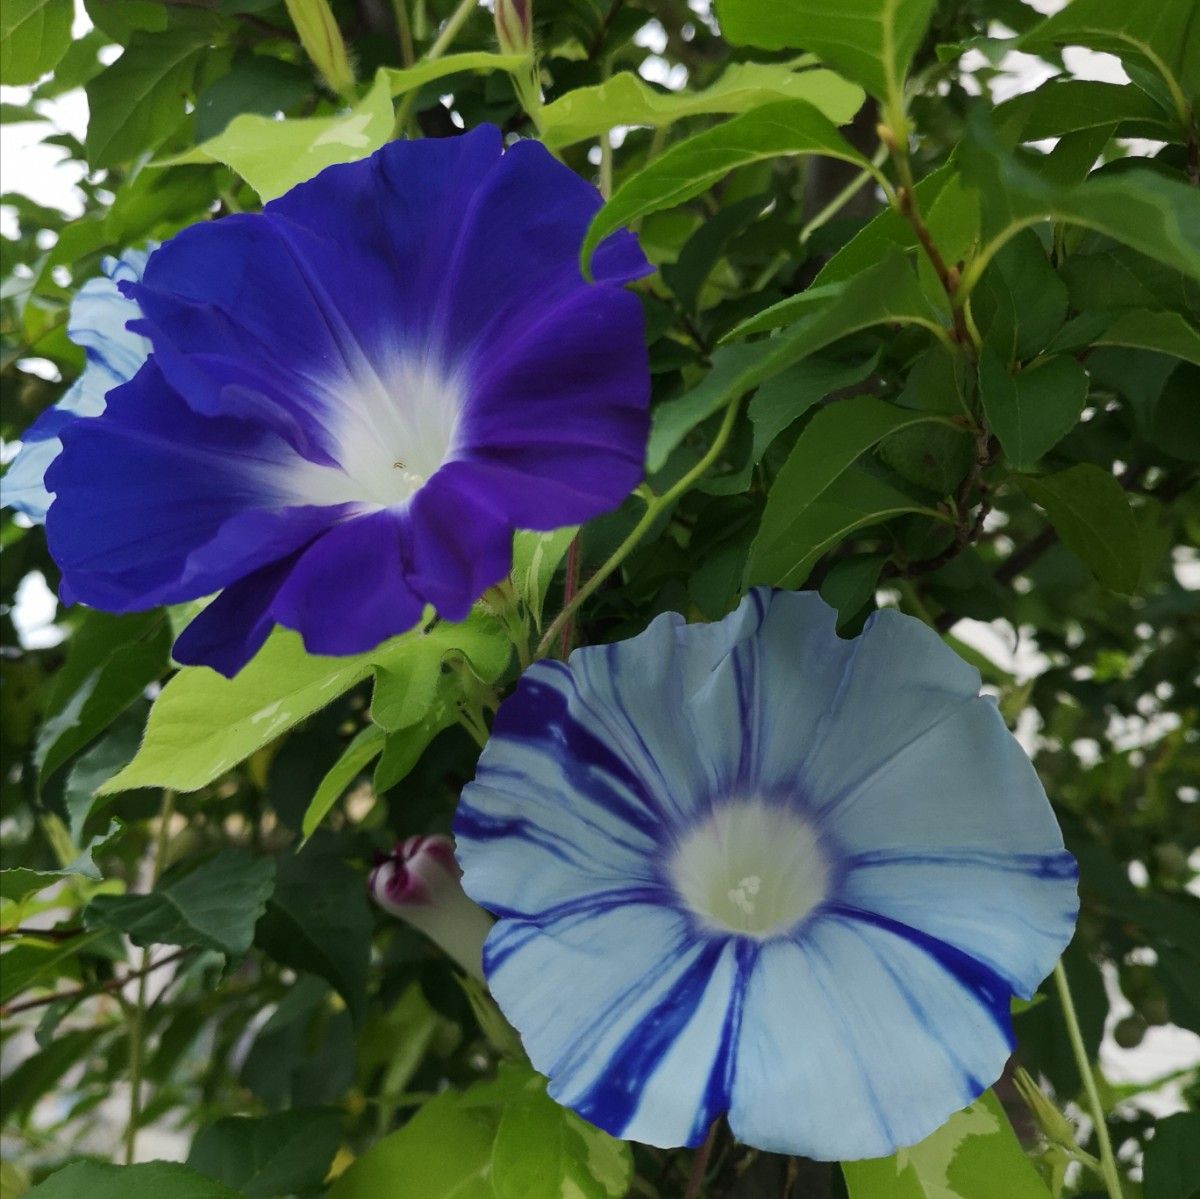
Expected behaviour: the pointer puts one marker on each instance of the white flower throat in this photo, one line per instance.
(393, 427)
(751, 868)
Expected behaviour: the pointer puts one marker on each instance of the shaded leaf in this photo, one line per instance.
(1090, 512)
(1033, 410)
(34, 35)
(214, 905)
(147, 1180)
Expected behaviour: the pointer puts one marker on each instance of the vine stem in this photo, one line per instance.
(655, 506)
(700, 1164)
(137, 1016)
(1108, 1160)
(442, 43)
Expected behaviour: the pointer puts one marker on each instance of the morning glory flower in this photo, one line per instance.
(750, 867)
(420, 882)
(114, 355)
(355, 397)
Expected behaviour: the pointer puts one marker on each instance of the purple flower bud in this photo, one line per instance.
(419, 882)
(514, 26)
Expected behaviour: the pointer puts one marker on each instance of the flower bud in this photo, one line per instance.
(419, 882)
(322, 42)
(1052, 1123)
(514, 26)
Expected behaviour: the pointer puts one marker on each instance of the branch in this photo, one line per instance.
(84, 992)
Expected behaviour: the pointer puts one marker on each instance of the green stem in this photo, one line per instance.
(441, 44)
(655, 506)
(403, 32)
(137, 1016)
(1108, 1160)
(844, 196)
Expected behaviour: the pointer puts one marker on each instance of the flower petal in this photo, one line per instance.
(650, 1061)
(857, 1039)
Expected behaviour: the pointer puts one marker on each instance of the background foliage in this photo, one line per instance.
(945, 357)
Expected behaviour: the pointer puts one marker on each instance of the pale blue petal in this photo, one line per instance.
(857, 1040)
(97, 321)
(630, 1016)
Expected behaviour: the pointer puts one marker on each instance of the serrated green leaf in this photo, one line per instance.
(215, 905)
(869, 41)
(626, 99)
(1033, 410)
(147, 1180)
(788, 127)
(1090, 512)
(34, 35)
(975, 1155)
(138, 101)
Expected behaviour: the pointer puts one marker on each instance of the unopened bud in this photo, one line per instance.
(419, 882)
(514, 26)
(1050, 1120)
(322, 42)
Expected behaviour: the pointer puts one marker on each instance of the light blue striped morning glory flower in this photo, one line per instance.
(750, 867)
(114, 355)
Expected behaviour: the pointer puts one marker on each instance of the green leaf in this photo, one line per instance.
(20, 881)
(1090, 511)
(138, 101)
(357, 756)
(888, 290)
(215, 905)
(1139, 208)
(1156, 41)
(1172, 1162)
(498, 1140)
(1033, 410)
(791, 535)
(34, 35)
(974, 1155)
(318, 920)
(269, 1156)
(692, 166)
(443, 1152)
(536, 558)
(203, 724)
(406, 745)
(544, 1151)
(1067, 105)
(37, 962)
(121, 19)
(1146, 330)
(111, 660)
(851, 583)
(255, 84)
(273, 156)
(625, 99)
(407, 79)
(870, 41)
(149, 1180)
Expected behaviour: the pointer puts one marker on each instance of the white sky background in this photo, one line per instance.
(42, 173)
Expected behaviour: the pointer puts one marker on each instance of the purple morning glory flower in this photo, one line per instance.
(750, 867)
(355, 397)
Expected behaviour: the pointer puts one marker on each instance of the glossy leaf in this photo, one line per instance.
(870, 41)
(1033, 410)
(214, 905)
(975, 1155)
(789, 127)
(1091, 514)
(147, 1180)
(626, 99)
